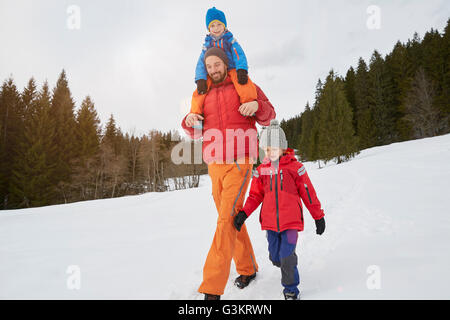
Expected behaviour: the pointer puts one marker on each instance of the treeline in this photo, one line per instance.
(403, 96)
(51, 153)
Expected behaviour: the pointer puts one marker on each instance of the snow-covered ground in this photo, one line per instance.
(387, 237)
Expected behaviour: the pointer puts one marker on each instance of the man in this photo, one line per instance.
(230, 161)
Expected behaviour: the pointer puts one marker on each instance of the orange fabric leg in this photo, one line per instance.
(247, 92)
(243, 250)
(199, 99)
(197, 102)
(230, 184)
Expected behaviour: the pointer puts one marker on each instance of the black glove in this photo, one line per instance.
(239, 220)
(242, 76)
(201, 86)
(320, 226)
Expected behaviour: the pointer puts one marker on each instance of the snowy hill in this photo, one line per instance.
(388, 226)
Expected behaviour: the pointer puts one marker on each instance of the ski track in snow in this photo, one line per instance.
(387, 207)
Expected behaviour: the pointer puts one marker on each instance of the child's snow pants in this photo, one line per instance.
(229, 185)
(282, 254)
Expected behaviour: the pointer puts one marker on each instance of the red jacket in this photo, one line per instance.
(220, 113)
(280, 192)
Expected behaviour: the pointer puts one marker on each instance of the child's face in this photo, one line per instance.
(216, 28)
(273, 153)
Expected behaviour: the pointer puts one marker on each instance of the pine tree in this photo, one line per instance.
(111, 135)
(305, 145)
(444, 98)
(380, 104)
(316, 125)
(11, 120)
(88, 130)
(434, 53)
(62, 112)
(292, 129)
(421, 112)
(114, 164)
(349, 86)
(28, 100)
(364, 120)
(399, 69)
(32, 181)
(336, 138)
(87, 166)
(27, 109)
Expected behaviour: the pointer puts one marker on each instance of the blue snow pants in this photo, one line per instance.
(282, 254)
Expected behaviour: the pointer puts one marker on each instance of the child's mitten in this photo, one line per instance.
(242, 76)
(320, 226)
(201, 86)
(239, 220)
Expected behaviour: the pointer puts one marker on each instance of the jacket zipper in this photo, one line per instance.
(270, 180)
(276, 200)
(281, 179)
(301, 212)
(220, 93)
(307, 191)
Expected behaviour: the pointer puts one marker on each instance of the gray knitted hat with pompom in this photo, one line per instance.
(273, 136)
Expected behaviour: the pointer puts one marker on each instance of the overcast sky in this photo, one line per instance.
(136, 59)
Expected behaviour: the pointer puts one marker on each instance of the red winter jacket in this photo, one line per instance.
(221, 114)
(280, 192)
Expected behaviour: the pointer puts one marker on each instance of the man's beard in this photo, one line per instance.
(218, 76)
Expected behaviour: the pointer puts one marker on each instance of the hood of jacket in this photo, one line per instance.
(287, 157)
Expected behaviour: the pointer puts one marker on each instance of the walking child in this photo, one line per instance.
(281, 183)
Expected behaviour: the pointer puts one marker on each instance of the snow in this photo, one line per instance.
(387, 237)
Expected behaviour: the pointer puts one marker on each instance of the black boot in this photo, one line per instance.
(211, 296)
(242, 281)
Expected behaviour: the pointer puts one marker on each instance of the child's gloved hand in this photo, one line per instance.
(242, 76)
(201, 86)
(320, 226)
(239, 220)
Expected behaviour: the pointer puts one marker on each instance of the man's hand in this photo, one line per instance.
(192, 119)
(248, 108)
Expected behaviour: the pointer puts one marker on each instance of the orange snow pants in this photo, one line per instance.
(229, 185)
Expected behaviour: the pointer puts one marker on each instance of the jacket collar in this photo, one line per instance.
(288, 156)
(226, 35)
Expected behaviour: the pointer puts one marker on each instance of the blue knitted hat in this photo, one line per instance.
(215, 14)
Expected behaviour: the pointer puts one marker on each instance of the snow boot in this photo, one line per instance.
(211, 296)
(290, 296)
(242, 281)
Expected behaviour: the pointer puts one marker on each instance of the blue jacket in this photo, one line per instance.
(236, 56)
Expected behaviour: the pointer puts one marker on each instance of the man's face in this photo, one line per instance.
(216, 68)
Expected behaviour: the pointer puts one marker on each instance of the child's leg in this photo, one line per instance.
(247, 92)
(274, 240)
(197, 102)
(199, 99)
(289, 273)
